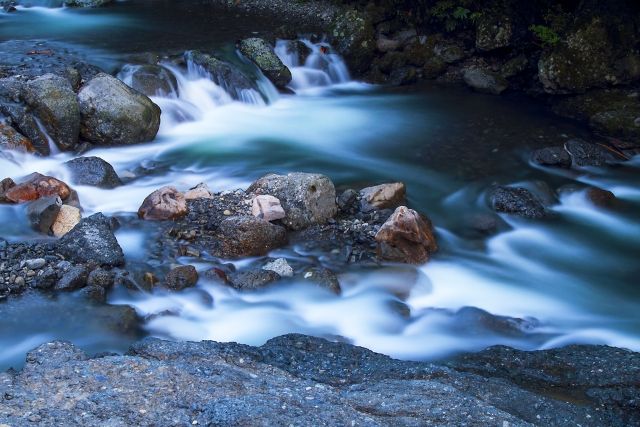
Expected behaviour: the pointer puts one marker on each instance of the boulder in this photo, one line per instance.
(93, 171)
(242, 236)
(267, 207)
(384, 196)
(92, 241)
(38, 186)
(114, 114)
(353, 35)
(200, 191)
(182, 277)
(493, 33)
(225, 75)
(11, 139)
(42, 213)
(166, 203)
(322, 277)
(5, 185)
(306, 198)
(552, 156)
(517, 201)
(253, 279)
(149, 79)
(484, 81)
(406, 237)
(53, 101)
(585, 153)
(262, 54)
(73, 279)
(280, 266)
(68, 217)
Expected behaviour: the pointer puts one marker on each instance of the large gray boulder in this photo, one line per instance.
(92, 241)
(262, 54)
(93, 171)
(307, 198)
(115, 114)
(53, 101)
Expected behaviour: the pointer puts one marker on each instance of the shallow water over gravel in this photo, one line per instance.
(573, 278)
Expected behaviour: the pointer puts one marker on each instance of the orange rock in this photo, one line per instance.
(406, 237)
(38, 186)
(12, 140)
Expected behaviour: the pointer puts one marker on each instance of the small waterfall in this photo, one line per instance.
(321, 67)
(53, 148)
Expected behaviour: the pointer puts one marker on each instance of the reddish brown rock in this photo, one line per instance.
(5, 185)
(406, 237)
(13, 140)
(384, 196)
(601, 198)
(167, 203)
(36, 187)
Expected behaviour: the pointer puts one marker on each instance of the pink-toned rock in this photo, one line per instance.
(267, 207)
(67, 218)
(200, 191)
(36, 187)
(384, 196)
(166, 203)
(406, 237)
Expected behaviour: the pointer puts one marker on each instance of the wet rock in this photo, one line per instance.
(86, 3)
(280, 266)
(67, 218)
(73, 279)
(38, 186)
(347, 200)
(242, 236)
(102, 278)
(11, 139)
(200, 191)
(53, 101)
(96, 294)
(484, 81)
(612, 112)
(149, 79)
(552, 156)
(179, 278)
(306, 198)
(42, 213)
(322, 277)
(93, 171)
(384, 196)
(517, 201)
(5, 185)
(267, 207)
(262, 54)
(92, 241)
(406, 237)
(230, 78)
(252, 279)
(601, 198)
(493, 32)
(114, 114)
(353, 35)
(483, 224)
(166, 203)
(584, 153)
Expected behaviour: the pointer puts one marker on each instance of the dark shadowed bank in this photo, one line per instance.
(300, 380)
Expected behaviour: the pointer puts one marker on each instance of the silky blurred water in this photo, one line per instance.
(573, 278)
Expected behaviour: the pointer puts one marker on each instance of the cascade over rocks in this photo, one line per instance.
(114, 114)
(149, 79)
(222, 73)
(262, 54)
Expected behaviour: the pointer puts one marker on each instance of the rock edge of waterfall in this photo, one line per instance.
(311, 381)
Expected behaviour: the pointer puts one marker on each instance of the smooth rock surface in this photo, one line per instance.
(68, 217)
(267, 207)
(384, 196)
(406, 237)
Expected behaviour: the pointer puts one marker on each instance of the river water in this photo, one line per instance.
(570, 279)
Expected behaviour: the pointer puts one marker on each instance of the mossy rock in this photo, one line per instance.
(353, 35)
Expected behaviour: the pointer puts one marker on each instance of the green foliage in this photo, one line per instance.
(547, 36)
(454, 14)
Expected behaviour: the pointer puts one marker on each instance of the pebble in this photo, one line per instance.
(35, 264)
(227, 212)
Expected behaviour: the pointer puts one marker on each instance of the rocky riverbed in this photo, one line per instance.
(185, 248)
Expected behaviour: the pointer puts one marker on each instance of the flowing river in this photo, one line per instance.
(569, 279)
